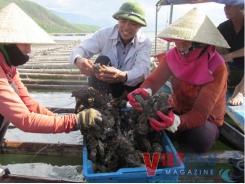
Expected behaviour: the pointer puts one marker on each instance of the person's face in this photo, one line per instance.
(127, 29)
(232, 12)
(183, 45)
(24, 48)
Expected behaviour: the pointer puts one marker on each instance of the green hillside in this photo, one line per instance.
(47, 20)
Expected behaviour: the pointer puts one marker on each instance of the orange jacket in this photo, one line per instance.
(23, 111)
(194, 103)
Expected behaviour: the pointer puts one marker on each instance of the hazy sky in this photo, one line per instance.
(105, 9)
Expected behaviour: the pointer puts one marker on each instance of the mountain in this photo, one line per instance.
(82, 19)
(50, 22)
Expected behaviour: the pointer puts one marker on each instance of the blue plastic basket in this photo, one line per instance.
(134, 175)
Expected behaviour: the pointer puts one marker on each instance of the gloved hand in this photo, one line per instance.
(145, 93)
(169, 122)
(88, 118)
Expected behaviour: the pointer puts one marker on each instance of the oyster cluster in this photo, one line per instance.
(124, 133)
(97, 67)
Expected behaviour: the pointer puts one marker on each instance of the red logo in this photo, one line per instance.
(168, 159)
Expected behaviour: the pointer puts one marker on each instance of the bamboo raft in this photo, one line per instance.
(49, 69)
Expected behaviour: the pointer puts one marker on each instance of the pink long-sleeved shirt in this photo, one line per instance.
(23, 111)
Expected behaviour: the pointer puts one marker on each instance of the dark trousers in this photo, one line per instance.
(234, 78)
(198, 139)
(116, 89)
(4, 124)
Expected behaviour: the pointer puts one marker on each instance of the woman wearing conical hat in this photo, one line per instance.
(198, 77)
(17, 32)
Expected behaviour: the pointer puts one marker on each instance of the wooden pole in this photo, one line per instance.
(48, 149)
(52, 76)
(12, 178)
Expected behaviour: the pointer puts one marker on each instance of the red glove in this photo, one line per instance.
(140, 91)
(169, 122)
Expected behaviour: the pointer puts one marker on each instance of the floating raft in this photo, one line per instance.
(49, 69)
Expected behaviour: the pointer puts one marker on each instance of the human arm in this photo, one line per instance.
(81, 54)
(137, 66)
(88, 48)
(229, 56)
(85, 66)
(206, 102)
(26, 113)
(158, 77)
(26, 98)
(209, 102)
(111, 75)
(30, 120)
(152, 84)
(14, 110)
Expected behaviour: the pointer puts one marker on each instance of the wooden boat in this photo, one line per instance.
(74, 150)
(42, 149)
(47, 149)
(12, 178)
(230, 136)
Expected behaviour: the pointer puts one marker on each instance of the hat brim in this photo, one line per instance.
(17, 27)
(194, 26)
(130, 17)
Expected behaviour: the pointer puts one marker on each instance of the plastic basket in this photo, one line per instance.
(134, 175)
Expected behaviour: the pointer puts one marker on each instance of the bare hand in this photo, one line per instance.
(227, 57)
(111, 75)
(85, 66)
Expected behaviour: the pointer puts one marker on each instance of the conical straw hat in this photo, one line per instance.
(17, 27)
(194, 26)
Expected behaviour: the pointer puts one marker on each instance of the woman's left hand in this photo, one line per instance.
(169, 122)
(111, 75)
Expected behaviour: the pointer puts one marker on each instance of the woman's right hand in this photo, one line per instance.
(140, 91)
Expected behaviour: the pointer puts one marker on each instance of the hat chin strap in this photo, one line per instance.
(193, 46)
(187, 51)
